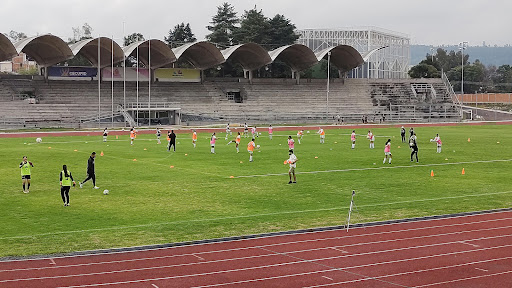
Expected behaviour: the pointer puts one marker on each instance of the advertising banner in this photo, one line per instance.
(72, 73)
(177, 75)
(131, 74)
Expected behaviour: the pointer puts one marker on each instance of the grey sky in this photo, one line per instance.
(427, 22)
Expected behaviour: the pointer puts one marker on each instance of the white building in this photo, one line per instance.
(386, 53)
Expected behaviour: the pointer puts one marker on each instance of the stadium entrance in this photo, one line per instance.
(159, 113)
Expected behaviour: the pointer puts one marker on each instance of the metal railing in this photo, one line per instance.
(451, 93)
(152, 105)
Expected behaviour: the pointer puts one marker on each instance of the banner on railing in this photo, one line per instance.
(72, 73)
(131, 74)
(177, 75)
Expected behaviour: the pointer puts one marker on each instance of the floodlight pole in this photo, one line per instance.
(462, 46)
(328, 81)
(137, 109)
(99, 81)
(149, 91)
(124, 73)
(112, 79)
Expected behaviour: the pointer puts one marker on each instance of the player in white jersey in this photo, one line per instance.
(228, 131)
(105, 135)
(300, 134)
(246, 130)
(439, 143)
(353, 139)
(371, 137)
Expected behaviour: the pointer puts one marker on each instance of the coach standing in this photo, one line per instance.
(91, 173)
(172, 141)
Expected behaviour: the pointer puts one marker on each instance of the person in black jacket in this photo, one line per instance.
(172, 141)
(91, 173)
(402, 133)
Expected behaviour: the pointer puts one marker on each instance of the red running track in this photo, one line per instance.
(460, 251)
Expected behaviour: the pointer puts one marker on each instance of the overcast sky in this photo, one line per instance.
(432, 22)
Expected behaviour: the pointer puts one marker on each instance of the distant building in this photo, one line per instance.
(20, 62)
(393, 61)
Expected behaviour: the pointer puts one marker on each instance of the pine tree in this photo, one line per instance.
(180, 34)
(223, 25)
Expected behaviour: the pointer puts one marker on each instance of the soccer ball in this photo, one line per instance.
(39, 140)
(105, 192)
(258, 146)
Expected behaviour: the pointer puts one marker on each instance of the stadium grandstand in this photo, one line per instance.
(372, 66)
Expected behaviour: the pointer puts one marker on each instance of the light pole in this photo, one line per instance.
(328, 81)
(462, 46)
(432, 53)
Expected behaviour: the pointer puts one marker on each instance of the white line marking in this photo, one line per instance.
(334, 248)
(480, 269)
(464, 242)
(366, 236)
(376, 168)
(52, 261)
(241, 269)
(200, 258)
(465, 279)
(250, 216)
(328, 278)
(154, 286)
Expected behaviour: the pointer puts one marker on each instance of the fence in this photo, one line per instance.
(502, 98)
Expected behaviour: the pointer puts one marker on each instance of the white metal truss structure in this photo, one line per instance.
(391, 62)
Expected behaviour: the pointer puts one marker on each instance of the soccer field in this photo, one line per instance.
(165, 197)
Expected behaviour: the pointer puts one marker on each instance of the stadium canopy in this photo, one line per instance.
(161, 53)
(202, 55)
(7, 50)
(89, 49)
(299, 57)
(46, 50)
(250, 56)
(344, 57)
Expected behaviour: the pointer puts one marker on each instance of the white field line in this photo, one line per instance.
(290, 242)
(465, 279)
(378, 168)
(203, 261)
(245, 216)
(241, 269)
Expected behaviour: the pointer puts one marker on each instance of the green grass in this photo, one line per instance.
(150, 203)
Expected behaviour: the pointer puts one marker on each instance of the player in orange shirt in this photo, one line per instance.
(194, 138)
(250, 148)
(132, 135)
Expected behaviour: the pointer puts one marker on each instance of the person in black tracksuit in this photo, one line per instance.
(66, 179)
(172, 141)
(413, 143)
(402, 133)
(91, 173)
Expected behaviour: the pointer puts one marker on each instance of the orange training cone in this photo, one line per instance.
(431, 173)
(469, 139)
(117, 136)
(101, 154)
(463, 171)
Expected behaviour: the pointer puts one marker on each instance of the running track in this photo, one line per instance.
(459, 251)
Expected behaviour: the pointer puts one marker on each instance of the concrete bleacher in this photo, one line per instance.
(67, 103)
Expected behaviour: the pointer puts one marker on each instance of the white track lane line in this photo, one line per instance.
(377, 168)
(262, 267)
(417, 271)
(365, 278)
(465, 279)
(245, 269)
(277, 244)
(347, 254)
(255, 216)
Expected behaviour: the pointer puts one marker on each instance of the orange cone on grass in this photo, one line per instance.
(469, 139)
(463, 171)
(431, 173)
(101, 154)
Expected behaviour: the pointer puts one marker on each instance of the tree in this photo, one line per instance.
(180, 34)
(128, 40)
(223, 25)
(424, 71)
(16, 36)
(132, 38)
(282, 32)
(81, 33)
(254, 27)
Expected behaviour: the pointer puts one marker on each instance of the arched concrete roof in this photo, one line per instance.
(297, 56)
(344, 57)
(89, 49)
(7, 50)
(202, 55)
(161, 54)
(46, 50)
(250, 56)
